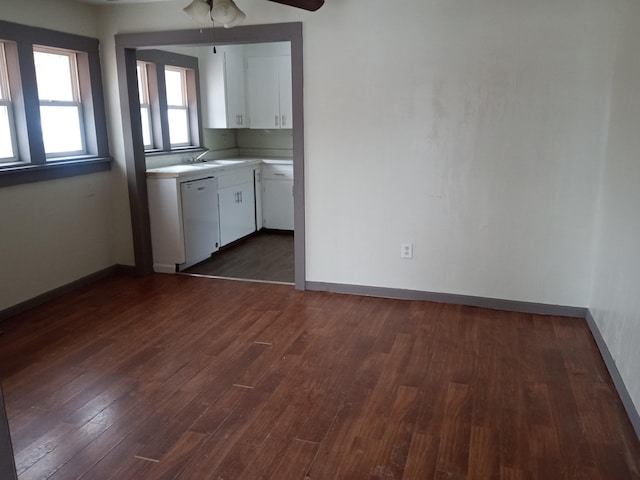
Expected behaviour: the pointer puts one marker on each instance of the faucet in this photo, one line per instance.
(199, 156)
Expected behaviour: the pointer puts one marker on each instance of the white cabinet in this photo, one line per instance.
(236, 206)
(235, 88)
(223, 87)
(165, 216)
(277, 196)
(269, 91)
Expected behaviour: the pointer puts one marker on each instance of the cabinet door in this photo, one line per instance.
(286, 108)
(236, 206)
(277, 204)
(234, 88)
(263, 85)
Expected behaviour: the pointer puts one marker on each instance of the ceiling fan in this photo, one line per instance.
(227, 13)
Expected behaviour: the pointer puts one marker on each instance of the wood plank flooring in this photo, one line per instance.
(266, 256)
(171, 376)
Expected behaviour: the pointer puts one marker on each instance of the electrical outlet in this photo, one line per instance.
(406, 251)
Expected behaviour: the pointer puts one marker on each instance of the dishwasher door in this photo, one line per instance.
(199, 220)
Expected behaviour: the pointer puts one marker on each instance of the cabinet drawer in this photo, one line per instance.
(239, 178)
(281, 172)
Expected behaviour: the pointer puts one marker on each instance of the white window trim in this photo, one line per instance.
(184, 106)
(145, 103)
(6, 102)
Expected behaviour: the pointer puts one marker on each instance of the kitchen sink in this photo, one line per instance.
(226, 162)
(214, 163)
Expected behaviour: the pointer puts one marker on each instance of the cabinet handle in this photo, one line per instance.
(240, 193)
(284, 120)
(241, 120)
(276, 120)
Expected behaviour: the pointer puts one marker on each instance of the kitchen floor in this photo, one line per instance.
(266, 256)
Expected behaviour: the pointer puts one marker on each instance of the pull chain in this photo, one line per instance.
(213, 27)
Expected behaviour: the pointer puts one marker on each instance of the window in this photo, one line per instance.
(60, 103)
(52, 115)
(7, 132)
(168, 94)
(145, 105)
(177, 107)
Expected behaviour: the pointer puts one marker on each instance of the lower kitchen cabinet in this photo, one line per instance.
(277, 197)
(236, 204)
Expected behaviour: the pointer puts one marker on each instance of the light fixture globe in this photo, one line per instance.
(224, 11)
(200, 12)
(240, 16)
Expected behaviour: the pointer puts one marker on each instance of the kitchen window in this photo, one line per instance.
(177, 107)
(169, 99)
(7, 127)
(52, 114)
(145, 105)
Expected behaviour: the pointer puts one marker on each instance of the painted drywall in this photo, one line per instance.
(615, 303)
(53, 232)
(474, 130)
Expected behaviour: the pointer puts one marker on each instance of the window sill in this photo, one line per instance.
(173, 151)
(16, 174)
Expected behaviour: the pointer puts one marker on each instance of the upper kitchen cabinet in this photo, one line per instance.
(223, 78)
(269, 88)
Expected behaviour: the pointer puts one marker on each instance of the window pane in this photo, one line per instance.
(146, 126)
(3, 73)
(178, 126)
(6, 148)
(141, 83)
(175, 87)
(53, 74)
(61, 129)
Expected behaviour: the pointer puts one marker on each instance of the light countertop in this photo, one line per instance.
(211, 167)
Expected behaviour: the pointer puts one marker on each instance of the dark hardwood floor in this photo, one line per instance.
(172, 376)
(266, 256)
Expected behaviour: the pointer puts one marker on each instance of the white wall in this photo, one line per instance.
(474, 130)
(57, 231)
(615, 300)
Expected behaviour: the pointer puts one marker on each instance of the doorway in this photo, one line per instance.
(126, 45)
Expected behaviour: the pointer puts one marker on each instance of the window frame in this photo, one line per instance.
(5, 91)
(157, 61)
(75, 102)
(31, 163)
(144, 98)
(184, 105)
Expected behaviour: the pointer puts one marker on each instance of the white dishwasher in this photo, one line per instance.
(199, 220)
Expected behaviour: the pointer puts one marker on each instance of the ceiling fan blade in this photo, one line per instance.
(311, 5)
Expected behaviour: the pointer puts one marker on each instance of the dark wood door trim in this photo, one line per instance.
(7, 464)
